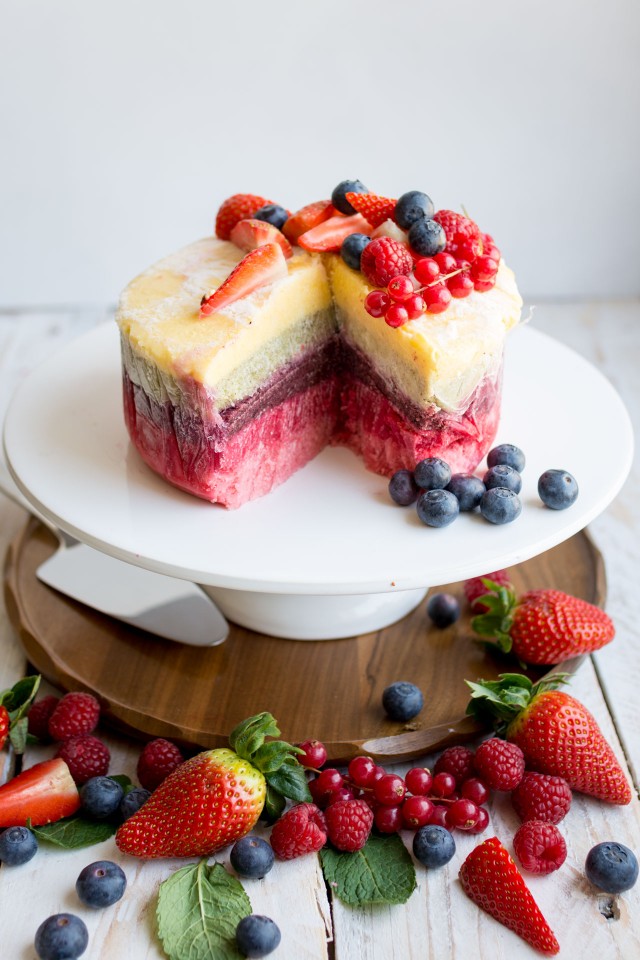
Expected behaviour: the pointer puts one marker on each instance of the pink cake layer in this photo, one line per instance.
(247, 463)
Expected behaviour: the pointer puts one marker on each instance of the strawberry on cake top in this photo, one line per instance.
(346, 322)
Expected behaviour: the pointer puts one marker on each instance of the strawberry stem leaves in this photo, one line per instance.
(275, 759)
(496, 623)
(17, 700)
(498, 702)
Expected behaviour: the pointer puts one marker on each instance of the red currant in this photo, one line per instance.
(328, 780)
(396, 315)
(388, 819)
(445, 261)
(437, 298)
(362, 770)
(400, 288)
(463, 814)
(490, 250)
(389, 789)
(416, 811)
(377, 302)
(484, 268)
(426, 270)
(486, 239)
(470, 249)
(443, 785)
(415, 306)
(418, 781)
(460, 286)
(342, 793)
(482, 286)
(474, 789)
(481, 823)
(439, 816)
(315, 754)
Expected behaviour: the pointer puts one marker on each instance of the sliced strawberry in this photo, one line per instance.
(42, 794)
(238, 207)
(264, 265)
(251, 234)
(374, 209)
(307, 218)
(328, 236)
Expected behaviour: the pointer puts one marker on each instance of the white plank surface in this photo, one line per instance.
(438, 921)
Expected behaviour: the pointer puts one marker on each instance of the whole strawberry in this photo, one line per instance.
(555, 732)
(491, 879)
(543, 626)
(216, 797)
(75, 714)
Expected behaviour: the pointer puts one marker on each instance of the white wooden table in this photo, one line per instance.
(438, 921)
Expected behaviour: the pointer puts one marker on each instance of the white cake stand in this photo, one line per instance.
(327, 554)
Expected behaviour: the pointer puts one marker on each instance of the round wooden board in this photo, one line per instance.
(329, 689)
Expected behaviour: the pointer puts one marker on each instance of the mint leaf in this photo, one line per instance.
(74, 832)
(199, 908)
(382, 872)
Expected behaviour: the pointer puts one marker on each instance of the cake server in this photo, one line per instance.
(170, 608)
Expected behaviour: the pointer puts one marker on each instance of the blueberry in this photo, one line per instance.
(612, 867)
(509, 454)
(557, 489)
(101, 797)
(402, 700)
(252, 857)
(257, 936)
(411, 207)
(403, 488)
(433, 846)
(427, 238)
(132, 802)
(17, 845)
(352, 247)
(503, 476)
(432, 474)
(61, 937)
(500, 505)
(101, 883)
(444, 609)
(437, 508)
(273, 214)
(467, 490)
(339, 198)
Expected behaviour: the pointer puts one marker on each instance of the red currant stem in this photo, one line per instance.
(438, 281)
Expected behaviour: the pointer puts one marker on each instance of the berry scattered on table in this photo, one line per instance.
(612, 867)
(432, 474)
(499, 763)
(540, 796)
(389, 789)
(257, 936)
(383, 259)
(132, 802)
(540, 847)
(508, 454)
(557, 489)
(389, 819)
(17, 845)
(241, 206)
(437, 508)
(101, 884)
(463, 814)
(272, 213)
(502, 476)
(86, 757)
(427, 237)
(443, 609)
(444, 785)
(349, 824)
(352, 247)
(418, 781)
(339, 195)
(314, 754)
(475, 588)
(481, 823)
(74, 714)
(458, 761)
(500, 505)
(39, 715)
(403, 488)
(252, 857)
(416, 811)
(467, 490)
(61, 937)
(363, 771)
(433, 846)
(325, 785)
(42, 794)
(158, 759)
(101, 797)
(475, 789)
(402, 700)
(302, 829)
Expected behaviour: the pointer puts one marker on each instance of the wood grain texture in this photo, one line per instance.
(329, 689)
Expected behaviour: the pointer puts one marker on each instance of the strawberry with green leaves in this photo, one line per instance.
(555, 732)
(542, 626)
(14, 707)
(491, 879)
(217, 797)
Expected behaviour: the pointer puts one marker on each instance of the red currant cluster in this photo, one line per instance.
(436, 281)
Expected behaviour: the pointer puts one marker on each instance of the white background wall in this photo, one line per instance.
(123, 124)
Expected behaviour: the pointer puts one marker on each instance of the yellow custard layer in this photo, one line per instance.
(437, 358)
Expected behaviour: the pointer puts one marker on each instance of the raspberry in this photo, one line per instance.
(475, 588)
(158, 759)
(383, 259)
(39, 715)
(75, 714)
(86, 757)
(457, 761)
(540, 847)
(302, 829)
(540, 796)
(241, 206)
(349, 824)
(459, 230)
(500, 764)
